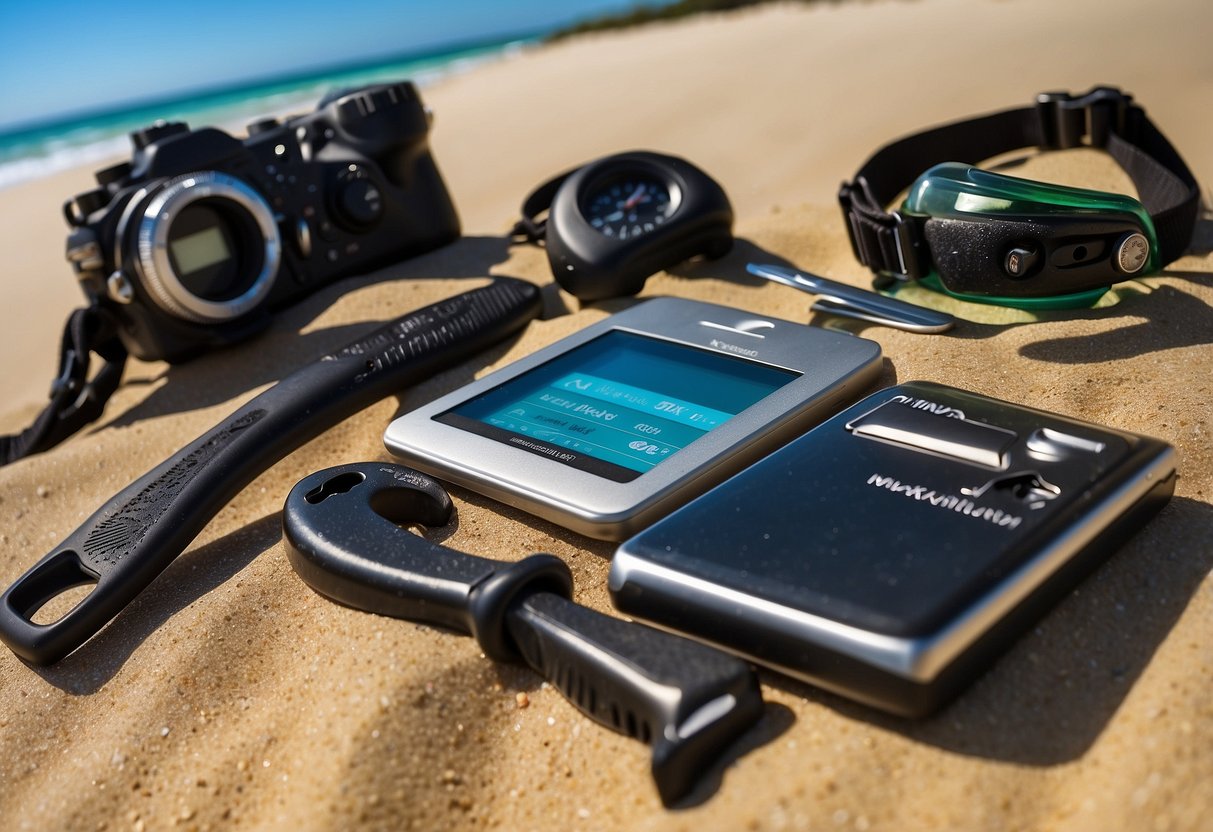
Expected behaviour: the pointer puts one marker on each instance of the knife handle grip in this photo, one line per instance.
(689, 701)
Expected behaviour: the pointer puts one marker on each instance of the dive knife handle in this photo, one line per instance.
(687, 700)
(345, 533)
(130, 540)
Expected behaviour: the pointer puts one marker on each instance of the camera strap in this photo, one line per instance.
(75, 401)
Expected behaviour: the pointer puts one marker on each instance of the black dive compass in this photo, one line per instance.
(613, 222)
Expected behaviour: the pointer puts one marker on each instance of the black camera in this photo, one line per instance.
(196, 240)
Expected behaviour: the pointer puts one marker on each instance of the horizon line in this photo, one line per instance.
(64, 119)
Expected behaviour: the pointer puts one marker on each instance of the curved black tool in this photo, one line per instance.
(343, 533)
(133, 537)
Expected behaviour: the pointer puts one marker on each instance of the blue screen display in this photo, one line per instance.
(620, 404)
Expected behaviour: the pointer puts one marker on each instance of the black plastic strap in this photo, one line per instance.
(75, 401)
(529, 227)
(1165, 186)
(1104, 117)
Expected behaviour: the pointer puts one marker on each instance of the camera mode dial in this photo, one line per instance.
(358, 202)
(385, 115)
(365, 102)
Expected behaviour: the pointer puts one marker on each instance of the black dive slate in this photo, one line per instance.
(133, 537)
(343, 533)
(890, 553)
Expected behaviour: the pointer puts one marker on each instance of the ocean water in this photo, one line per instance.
(33, 152)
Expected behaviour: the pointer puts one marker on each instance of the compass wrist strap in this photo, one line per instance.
(529, 227)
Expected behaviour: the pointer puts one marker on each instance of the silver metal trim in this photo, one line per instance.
(1126, 265)
(87, 256)
(303, 236)
(159, 277)
(900, 424)
(740, 329)
(853, 302)
(850, 310)
(124, 220)
(899, 244)
(1052, 444)
(917, 659)
(119, 288)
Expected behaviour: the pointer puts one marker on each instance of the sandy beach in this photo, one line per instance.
(230, 695)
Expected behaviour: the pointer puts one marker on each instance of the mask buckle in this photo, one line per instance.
(1066, 120)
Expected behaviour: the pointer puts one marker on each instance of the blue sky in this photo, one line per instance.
(63, 57)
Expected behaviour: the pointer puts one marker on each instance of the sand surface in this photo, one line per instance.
(229, 695)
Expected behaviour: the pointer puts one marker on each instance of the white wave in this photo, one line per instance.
(60, 155)
(87, 145)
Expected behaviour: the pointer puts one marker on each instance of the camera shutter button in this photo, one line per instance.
(262, 125)
(359, 203)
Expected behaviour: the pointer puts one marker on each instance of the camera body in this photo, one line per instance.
(195, 241)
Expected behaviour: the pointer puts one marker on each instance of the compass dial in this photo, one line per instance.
(627, 206)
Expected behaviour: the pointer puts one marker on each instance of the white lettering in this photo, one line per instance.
(933, 407)
(959, 505)
(733, 348)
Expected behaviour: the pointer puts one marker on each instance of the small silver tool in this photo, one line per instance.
(853, 302)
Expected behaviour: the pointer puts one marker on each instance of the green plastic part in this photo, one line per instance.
(1077, 300)
(953, 190)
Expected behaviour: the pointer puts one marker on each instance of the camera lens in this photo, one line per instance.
(208, 247)
(211, 251)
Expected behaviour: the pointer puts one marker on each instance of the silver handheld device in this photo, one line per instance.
(617, 425)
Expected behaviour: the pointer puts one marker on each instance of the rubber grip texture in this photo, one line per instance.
(127, 542)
